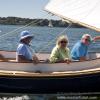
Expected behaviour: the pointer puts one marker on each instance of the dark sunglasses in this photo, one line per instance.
(63, 42)
(87, 40)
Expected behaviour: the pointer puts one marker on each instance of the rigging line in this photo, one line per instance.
(16, 29)
(12, 32)
(49, 43)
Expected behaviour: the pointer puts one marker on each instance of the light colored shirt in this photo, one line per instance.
(58, 54)
(79, 50)
(25, 50)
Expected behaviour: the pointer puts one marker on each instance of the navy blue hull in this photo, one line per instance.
(83, 83)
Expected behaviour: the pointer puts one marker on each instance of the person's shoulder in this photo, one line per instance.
(55, 48)
(77, 43)
(67, 49)
(21, 45)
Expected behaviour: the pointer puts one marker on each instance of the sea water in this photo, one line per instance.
(44, 40)
(44, 37)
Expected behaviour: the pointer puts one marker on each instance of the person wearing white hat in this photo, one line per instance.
(80, 49)
(24, 52)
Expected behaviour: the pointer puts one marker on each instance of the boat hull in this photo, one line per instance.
(61, 84)
(49, 78)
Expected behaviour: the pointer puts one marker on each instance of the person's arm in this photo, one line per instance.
(35, 59)
(54, 55)
(96, 38)
(82, 58)
(81, 53)
(21, 58)
(68, 59)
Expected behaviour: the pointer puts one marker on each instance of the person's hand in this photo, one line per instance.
(67, 60)
(82, 58)
(35, 60)
(94, 39)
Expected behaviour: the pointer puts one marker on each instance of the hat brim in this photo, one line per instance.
(27, 36)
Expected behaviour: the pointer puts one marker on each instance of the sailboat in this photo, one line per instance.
(58, 77)
(50, 24)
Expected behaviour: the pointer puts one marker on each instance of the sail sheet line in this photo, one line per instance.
(15, 30)
(49, 43)
(21, 28)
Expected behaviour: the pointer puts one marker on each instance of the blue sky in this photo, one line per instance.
(24, 8)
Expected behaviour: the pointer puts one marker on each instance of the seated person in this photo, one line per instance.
(24, 52)
(80, 49)
(60, 52)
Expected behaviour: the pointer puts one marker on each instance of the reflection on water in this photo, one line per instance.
(61, 96)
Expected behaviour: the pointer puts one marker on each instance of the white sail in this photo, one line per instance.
(50, 24)
(84, 12)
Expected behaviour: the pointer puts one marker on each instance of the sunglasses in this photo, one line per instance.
(63, 42)
(87, 40)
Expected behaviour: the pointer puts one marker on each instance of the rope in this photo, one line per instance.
(49, 43)
(15, 30)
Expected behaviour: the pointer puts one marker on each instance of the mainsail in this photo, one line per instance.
(84, 12)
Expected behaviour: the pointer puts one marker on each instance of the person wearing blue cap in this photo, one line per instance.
(24, 52)
(80, 49)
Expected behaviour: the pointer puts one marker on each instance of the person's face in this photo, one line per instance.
(86, 41)
(28, 40)
(63, 43)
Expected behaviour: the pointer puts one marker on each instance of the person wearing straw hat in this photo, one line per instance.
(80, 49)
(24, 52)
(60, 53)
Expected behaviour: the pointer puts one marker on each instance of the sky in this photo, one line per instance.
(24, 9)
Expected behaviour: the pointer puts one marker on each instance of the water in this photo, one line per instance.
(64, 96)
(44, 40)
(44, 37)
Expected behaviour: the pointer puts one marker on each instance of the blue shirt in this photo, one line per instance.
(79, 50)
(25, 50)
